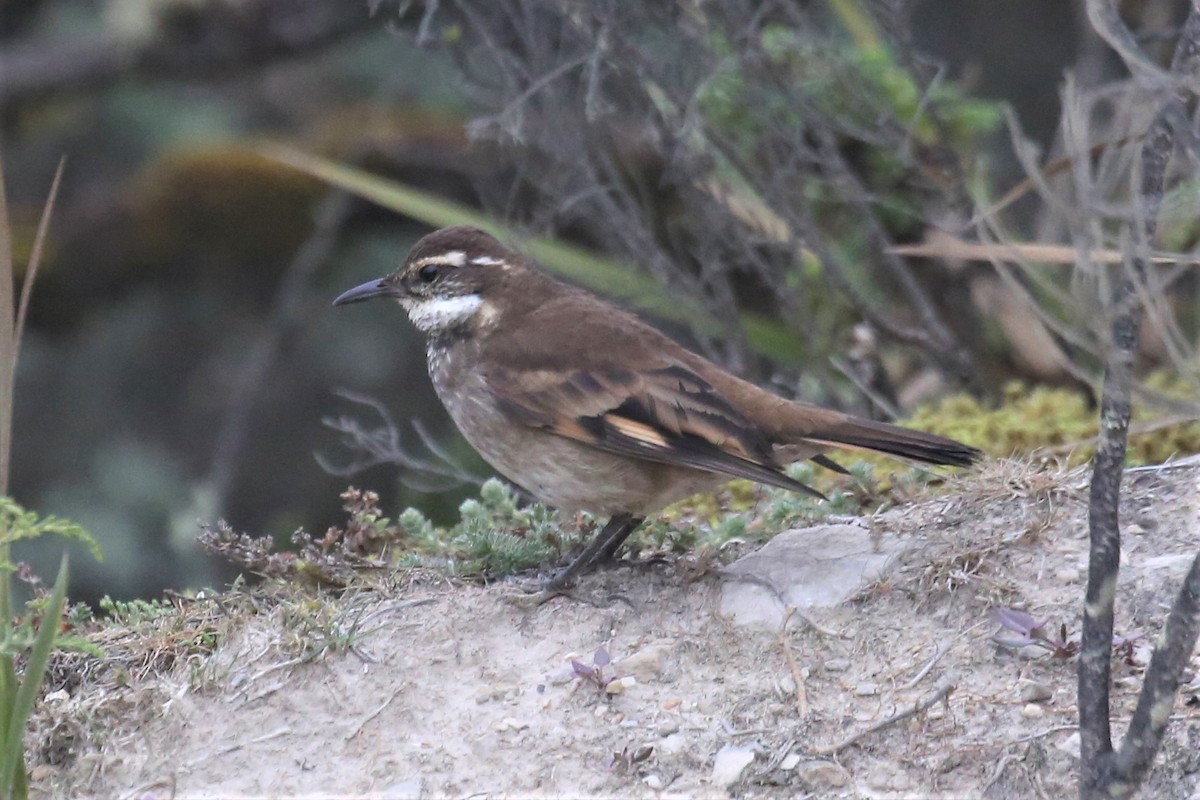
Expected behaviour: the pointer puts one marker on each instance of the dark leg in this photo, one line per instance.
(614, 542)
(603, 546)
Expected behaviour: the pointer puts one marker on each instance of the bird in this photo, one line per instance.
(587, 408)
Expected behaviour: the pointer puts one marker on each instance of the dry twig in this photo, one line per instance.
(797, 675)
(942, 691)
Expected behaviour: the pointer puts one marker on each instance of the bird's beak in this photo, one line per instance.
(376, 288)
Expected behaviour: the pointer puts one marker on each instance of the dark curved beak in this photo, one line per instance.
(375, 288)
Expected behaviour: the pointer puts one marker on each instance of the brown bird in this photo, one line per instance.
(588, 408)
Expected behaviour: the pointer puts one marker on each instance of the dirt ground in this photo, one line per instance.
(435, 689)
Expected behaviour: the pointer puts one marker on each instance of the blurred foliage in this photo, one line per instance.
(1034, 421)
(224, 206)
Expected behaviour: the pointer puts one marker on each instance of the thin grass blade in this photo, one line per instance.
(35, 259)
(7, 343)
(13, 756)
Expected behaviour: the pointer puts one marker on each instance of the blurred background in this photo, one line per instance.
(758, 157)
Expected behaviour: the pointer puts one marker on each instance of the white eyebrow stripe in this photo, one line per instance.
(455, 258)
(486, 261)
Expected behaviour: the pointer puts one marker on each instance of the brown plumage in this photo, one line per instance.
(587, 407)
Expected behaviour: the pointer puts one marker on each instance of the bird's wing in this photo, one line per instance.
(666, 413)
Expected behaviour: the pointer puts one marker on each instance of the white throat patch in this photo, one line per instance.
(436, 314)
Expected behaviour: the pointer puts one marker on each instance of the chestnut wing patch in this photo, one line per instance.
(669, 415)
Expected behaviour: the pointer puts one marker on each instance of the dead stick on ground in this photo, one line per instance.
(233, 748)
(797, 675)
(941, 692)
(938, 651)
(358, 728)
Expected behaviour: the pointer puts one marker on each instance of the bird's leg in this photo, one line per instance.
(618, 537)
(604, 545)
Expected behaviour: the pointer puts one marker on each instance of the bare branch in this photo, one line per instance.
(1162, 681)
(1107, 22)
(384, 445)
(1103, 774)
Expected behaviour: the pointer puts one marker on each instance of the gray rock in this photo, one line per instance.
(1034, 692)
(816, 567)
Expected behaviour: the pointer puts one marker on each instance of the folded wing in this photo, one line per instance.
(668, 415)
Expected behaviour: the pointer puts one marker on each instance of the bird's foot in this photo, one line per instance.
(532, 595)
(531, 600)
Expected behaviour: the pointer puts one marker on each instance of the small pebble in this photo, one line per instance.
(866, 689)
(1033, 711)
(837, 665)
(670, 703)
(789, 762)
(1067, 575)
(1070, 745)
(673, 744)
(647, 663)
(822, 774)
(620, 685)
(510, 724)
(1034, 692)
(654, 782)
(729, 764)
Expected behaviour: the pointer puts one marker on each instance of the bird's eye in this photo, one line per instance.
(428, 273)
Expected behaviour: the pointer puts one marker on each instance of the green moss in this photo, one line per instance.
(1054, 422)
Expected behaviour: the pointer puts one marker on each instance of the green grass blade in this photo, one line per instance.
(12, 758)
(8, 697)
(8, 344)
(600, 274)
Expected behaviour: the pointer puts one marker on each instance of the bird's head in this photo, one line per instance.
(450, 278)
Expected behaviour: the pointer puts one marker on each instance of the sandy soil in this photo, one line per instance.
(451, 690)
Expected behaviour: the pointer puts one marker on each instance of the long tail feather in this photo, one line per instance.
(881, 437)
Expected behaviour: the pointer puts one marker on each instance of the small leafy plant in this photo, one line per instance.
(593, 673)
(330, 561)
(1031, 631)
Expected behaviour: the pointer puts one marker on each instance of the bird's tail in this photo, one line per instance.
(864, 434)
